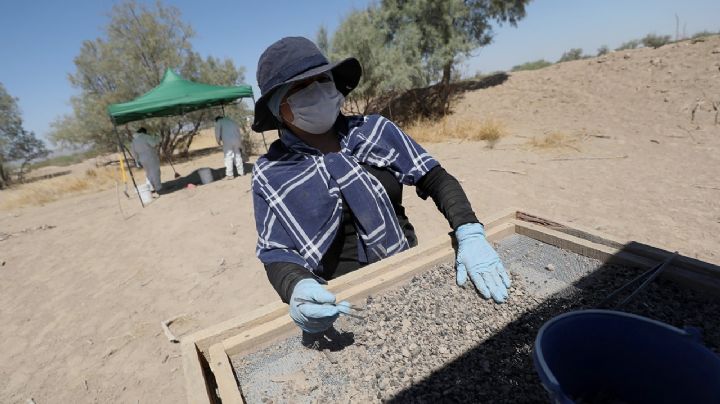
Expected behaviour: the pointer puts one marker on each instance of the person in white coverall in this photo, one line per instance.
(227, 133)
(144, 152)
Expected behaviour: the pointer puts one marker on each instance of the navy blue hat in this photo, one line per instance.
(294, 59)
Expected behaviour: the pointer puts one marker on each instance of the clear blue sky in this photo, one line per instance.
(39, 39)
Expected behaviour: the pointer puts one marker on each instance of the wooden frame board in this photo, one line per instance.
(209, 376)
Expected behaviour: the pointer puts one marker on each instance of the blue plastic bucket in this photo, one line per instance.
(609, 356)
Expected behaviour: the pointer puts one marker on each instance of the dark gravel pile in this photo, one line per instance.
(430, 340)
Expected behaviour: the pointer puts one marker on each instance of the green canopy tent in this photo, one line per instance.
(173, 96)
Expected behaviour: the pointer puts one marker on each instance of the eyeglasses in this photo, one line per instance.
(323, 78)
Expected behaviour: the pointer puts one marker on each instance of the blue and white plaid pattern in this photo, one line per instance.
(297, 193)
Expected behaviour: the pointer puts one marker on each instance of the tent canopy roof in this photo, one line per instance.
(175, 96)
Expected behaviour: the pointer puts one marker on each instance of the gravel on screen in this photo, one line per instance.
(431, 340)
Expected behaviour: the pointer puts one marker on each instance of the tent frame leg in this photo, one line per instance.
(263, 132)
(122, 148)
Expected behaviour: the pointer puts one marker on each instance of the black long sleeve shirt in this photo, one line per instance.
(342, 255)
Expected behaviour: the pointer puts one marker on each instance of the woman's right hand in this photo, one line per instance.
(318, 316)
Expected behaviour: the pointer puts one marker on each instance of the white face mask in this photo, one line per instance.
(316, 107)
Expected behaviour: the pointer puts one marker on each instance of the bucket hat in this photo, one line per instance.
(293, 59)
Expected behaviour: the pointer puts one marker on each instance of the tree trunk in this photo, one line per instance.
(447, 72)
(190, 136)
(21, 173)
(4, 178)
(445, 87)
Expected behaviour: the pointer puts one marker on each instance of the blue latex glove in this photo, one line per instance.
(315, 318)
(475, 257)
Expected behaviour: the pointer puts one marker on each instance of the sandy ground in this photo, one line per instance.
(85, 284)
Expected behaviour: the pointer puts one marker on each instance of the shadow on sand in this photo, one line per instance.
(177, 184)
(511, 376)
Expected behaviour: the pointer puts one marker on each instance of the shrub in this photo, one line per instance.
(603, 50)
(535, 65)
(632, 44)
(489, 130)
(655, 41)
(572, 54)
(703, 34)
(554, 140)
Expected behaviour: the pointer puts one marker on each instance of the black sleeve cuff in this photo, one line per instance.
(448, 195)
(284, 276)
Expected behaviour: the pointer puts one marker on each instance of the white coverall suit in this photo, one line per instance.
(143, 149)
(227, 131)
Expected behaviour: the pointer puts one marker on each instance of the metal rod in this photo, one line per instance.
(303, 301)
(651, 274)
(352, 315)
(652, 277)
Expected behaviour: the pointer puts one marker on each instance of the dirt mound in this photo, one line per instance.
(674, 88)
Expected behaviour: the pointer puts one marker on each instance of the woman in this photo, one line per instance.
(328, 194)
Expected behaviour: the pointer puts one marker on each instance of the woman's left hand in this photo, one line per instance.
(476, 258)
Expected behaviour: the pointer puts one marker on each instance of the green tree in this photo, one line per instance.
(321, 40)
(387, 69)
(449, 30)
(141, 42)
(16, 143)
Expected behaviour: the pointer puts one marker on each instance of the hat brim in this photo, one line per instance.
(346, 75)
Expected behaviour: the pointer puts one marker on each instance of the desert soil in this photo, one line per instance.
(85, 284)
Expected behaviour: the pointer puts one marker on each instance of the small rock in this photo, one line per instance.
(626, 56)
(550, 267)
(715, 51)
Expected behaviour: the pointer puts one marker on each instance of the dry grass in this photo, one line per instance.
(489, 130)
(555, 140)
(42, 192)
